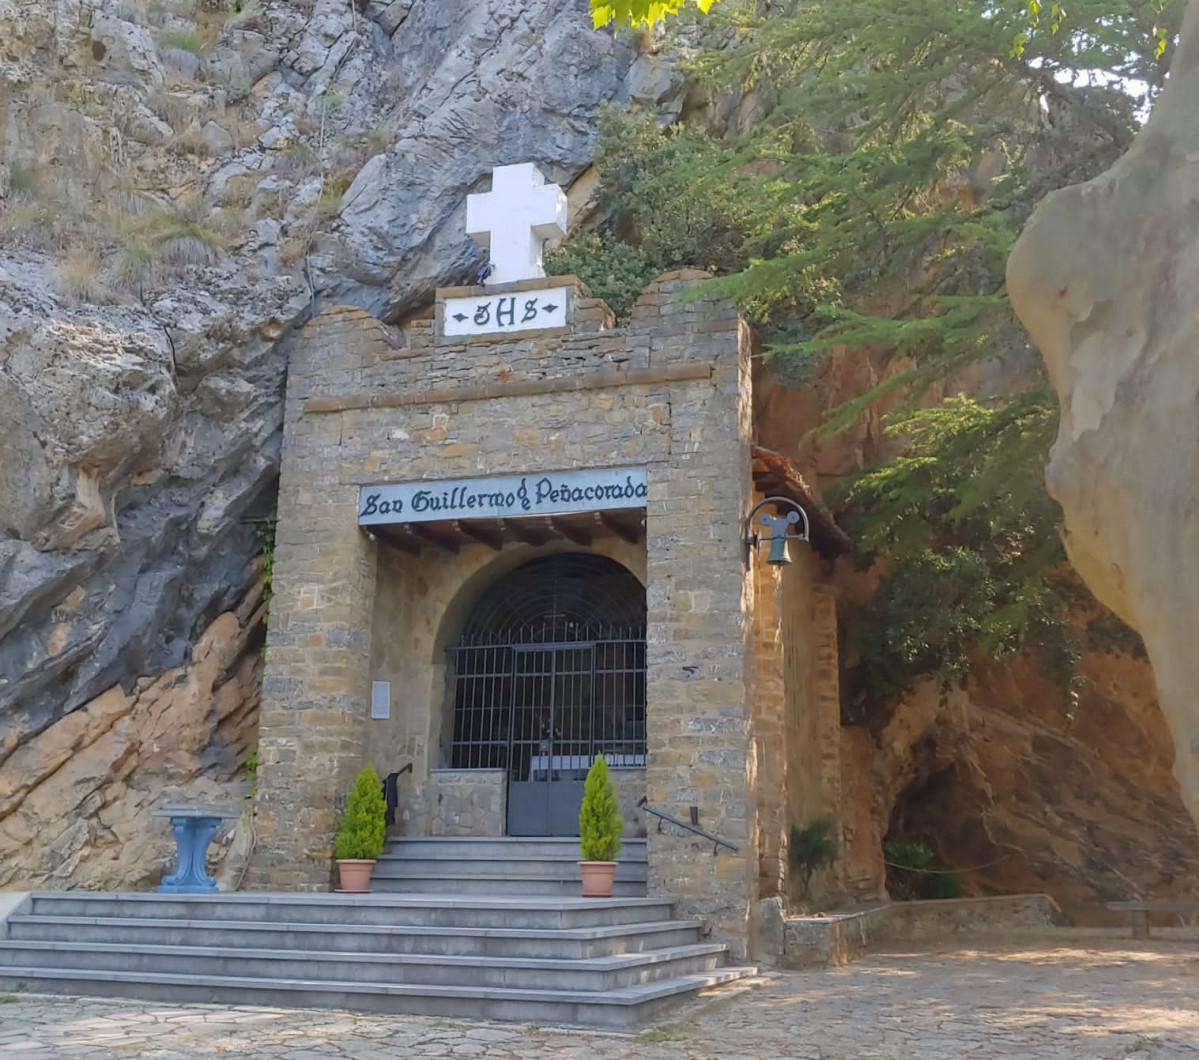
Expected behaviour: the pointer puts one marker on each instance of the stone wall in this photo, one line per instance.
(459, 802)
(368, 404)
(630, 790)
(797, 716)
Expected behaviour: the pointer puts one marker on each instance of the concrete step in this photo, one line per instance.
(570, 943)
(621, 1009)
(394, 910)
(485, 883)
(501, 847)
(598, 974)
(391, 865)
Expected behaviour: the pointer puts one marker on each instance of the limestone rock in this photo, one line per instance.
(124, 45)
(1104, 277)
(490, 83)
(142, 418)
(124, 478)
(1000, 781)
(75, 799)
(389, 16)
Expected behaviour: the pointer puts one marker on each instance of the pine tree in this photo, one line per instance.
(362, 831)
(871, 208)
(600, 820)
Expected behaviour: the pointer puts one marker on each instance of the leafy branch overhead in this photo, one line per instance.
(640, 12)
(866, 212)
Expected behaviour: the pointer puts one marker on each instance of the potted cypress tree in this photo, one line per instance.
(600, 825)
(361, 834)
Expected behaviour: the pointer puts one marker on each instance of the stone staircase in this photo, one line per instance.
(523, 950)
(524, 867)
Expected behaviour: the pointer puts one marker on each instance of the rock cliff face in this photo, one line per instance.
(1004, 774)
(1021, 798)
(181, 186)
(1105, 278)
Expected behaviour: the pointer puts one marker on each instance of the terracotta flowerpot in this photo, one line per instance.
(597, 878)
(355, 874)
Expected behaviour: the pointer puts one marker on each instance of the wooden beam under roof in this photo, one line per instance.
(572, 531)
(397, 537)
(439, 538)
(525, 530)
(622, 528)
(481, 531)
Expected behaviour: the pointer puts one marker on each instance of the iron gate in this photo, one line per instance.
(545, 676)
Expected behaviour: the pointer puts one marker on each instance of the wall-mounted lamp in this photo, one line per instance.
(790, 523)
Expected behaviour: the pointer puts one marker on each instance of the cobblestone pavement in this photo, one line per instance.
(1045, 1002)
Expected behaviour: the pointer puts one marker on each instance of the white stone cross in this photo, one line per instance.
(515, 219)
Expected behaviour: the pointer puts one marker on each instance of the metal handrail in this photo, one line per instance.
(669, 818)
(391, 793)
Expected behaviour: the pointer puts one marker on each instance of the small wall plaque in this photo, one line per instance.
(380, 700)
(494, 314)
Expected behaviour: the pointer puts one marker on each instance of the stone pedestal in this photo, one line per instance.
(194, 828)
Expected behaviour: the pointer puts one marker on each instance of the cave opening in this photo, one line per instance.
(937, 833)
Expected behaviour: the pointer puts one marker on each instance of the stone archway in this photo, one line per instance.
(548, 671)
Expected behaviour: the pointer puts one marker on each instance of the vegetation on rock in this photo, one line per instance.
(893, 155)
(600, 820)
(362, 830)
(639, 12)
(812, 848)
(911, 875)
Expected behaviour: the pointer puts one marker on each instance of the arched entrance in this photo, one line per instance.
(549, 671)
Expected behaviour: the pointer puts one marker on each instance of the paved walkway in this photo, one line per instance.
(1026, 1003)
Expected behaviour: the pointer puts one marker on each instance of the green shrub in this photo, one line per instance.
(600, 821)
(813, 847)
(614, 270)
(362, 831)
(251, 767)
(912, 873)
(906, 863)
(943, 884)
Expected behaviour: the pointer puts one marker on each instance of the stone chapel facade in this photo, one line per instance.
(496, 653)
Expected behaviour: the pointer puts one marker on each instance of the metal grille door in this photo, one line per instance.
(549, 672)
(551, 745)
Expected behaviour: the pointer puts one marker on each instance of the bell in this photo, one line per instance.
(779, 556)
(779, 525)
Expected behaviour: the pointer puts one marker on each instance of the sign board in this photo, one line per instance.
(380, 700)
(504, 496)
(495, 314)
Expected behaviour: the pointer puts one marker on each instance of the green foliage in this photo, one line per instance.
(895, 153)
(903, 149)
(906, 863)
(812, 848)
(362, 831)
(251, 767)
(911, 873)
(264, 531)
(668, 206)
(614, 270)
(900, 151)
(600, 820)
(639, 12)
(968, 538)
(943, 884)
(670, 191)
